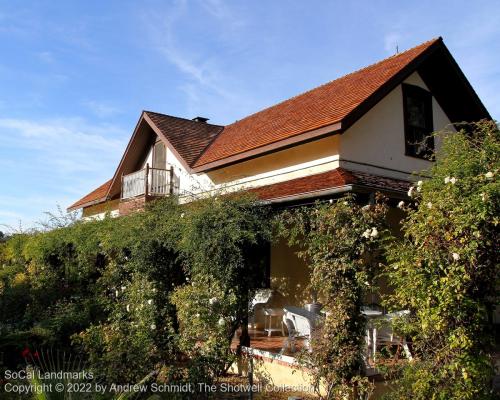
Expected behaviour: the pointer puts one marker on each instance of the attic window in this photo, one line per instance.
(417, 111)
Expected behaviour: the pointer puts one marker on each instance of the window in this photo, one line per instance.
(417, 111)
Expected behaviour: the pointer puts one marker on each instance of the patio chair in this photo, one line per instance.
(300, 324)
(260, 300)
(385, 336)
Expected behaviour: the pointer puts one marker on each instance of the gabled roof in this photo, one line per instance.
(185, 137)
(327, 109)
(188, 137)
(324, 182)
(336, 105)
(94, 197)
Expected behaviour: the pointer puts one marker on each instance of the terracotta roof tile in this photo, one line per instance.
(319, 107)
(328, 180)
(188, 137)
(201, 143)
(94, 196)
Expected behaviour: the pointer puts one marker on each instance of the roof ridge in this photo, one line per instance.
(428, 42)
(175, 117)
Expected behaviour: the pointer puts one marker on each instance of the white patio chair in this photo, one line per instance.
(259, 301)
(384, 335)
(300, 324)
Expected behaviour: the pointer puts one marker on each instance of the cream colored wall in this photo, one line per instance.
(304, 160)
(289, 276)
(378, 137)
(99, 211)
(309, 154)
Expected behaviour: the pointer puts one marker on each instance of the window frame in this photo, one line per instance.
(419, 93)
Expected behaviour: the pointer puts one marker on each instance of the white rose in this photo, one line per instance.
(419, 183)
(221, 321)
(124, 287)
(429, 205)
(453, 181)
(374, 232)
(456, 256)
(212, 301)
(488, 175)
(150, 301)
(447, 179)
(401, 204)
(410, 191)
(153, 327)
(366, 234)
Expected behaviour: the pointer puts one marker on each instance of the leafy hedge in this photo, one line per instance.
(168, 288)
(119, 289)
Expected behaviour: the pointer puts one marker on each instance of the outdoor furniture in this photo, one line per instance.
(260, 300)
(269, 313)
(300, 323)
(380, 331)
(371, 331)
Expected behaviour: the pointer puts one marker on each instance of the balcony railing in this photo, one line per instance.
(150, 182)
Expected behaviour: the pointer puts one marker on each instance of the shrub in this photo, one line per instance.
(446, 269)
(341, 242)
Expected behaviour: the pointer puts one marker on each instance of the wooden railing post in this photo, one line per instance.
(146, 181)
(171, 182)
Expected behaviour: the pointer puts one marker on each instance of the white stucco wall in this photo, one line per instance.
(378, 138)
(189, 183)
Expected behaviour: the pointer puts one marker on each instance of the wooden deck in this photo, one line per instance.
(261, 341)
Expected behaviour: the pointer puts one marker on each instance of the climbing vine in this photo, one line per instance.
(341, 242)
(446, 269)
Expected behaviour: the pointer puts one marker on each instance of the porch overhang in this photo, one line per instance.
(329, 184)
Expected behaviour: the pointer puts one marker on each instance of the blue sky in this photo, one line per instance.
(74, 76)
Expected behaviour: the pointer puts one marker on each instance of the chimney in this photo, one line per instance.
(200, 119)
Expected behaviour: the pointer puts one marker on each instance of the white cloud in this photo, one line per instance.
(53, 161)
(210, 84)
(100, 109)
(46, 57)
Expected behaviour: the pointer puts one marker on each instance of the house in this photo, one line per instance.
(364, 132)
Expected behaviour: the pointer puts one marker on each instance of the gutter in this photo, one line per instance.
(337, 190)
(308, 195)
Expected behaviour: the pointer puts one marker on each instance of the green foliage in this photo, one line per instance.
(341, 242)
(206, 315)
(106, 287)
(446, 269)
(220, 242)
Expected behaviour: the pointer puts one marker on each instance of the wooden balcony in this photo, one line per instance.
(150, 182)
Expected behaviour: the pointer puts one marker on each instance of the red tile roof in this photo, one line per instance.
(97, 195)
(188, 137)
(328, 180)
(200, 144)
(319, 107)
